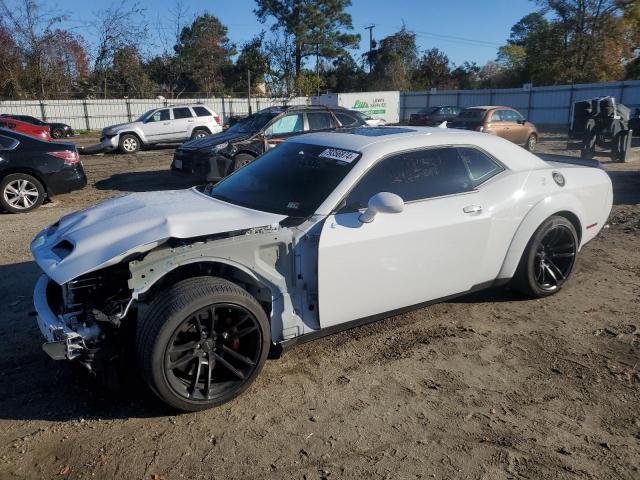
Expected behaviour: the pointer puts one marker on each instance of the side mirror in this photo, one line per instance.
(383, 202)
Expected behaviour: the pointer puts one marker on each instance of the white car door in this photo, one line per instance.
(183, 121)
(157, 128)
(426, 252)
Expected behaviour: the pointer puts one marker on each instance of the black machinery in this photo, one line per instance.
(604, 123)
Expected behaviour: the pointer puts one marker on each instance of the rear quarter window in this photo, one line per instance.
(202, 112)
(480, 166)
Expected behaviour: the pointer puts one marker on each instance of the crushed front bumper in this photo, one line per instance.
(110, 144)
(62, 342)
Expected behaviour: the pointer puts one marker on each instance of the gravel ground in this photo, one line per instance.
(489, 386)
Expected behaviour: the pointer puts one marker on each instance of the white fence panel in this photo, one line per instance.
(95, 114)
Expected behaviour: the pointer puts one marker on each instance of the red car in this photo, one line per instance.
(36, 131)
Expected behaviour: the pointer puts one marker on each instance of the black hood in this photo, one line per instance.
(211, 140)
(63, 126)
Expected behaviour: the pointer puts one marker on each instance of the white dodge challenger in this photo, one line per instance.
(325, 232)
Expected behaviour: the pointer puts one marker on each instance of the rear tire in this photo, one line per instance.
(129, 143)
(202, 342)
(532, 142)
(548, 259)
(57, 133)
(198, 133)
(21, 193)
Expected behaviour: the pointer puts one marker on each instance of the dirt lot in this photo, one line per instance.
(490, 386)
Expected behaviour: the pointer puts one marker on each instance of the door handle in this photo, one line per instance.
(472, 209)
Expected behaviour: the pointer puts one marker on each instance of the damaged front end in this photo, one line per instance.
(83, 316)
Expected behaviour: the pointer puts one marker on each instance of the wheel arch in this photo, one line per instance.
(140, 137)
(200, 127)
(26, 171)
(221, 268)
(565, 206)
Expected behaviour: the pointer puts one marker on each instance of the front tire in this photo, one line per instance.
(202, 342)
(129, 143)
(241, 160)
(21, 193)
(548, 259)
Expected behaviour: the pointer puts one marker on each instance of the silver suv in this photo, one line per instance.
(172, 124)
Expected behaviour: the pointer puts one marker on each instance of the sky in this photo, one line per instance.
(466, 30)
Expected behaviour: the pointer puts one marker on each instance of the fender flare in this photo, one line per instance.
(545, 208)
(141, 138)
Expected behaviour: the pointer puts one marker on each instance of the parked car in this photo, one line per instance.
(328, 231)
(173, 124)
(369, 120)
(216, 156)
(434, 116)
(33, 170)
(26, 128)
(56, 129)
(504, 122)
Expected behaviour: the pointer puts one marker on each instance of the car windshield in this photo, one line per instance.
(472, 113)
(252, 123)
(293, 179)
(145, 115)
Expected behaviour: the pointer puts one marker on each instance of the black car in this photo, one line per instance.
(57, 130)
(434, 116)
(32, 170)
(216, 156)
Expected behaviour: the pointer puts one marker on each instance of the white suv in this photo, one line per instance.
(172, 124)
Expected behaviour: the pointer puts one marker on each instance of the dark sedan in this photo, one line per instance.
(434, 116)
(32, 170)
(57, 130)
(215, 156)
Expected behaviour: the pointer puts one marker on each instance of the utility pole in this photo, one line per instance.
(317, 69)
(249, 89)
(370, 28)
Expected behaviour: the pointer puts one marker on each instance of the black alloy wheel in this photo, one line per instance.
(201, 342)
(213, 351)
(548, 259)
(555, 256)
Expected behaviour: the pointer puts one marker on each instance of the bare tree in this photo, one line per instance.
(118, 26)
(32, 26)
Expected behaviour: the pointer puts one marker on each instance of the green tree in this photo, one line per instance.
(433, 70)
(252, 57)
(206, 52)
(127, 75)
(315, 25)
(394, 62)
(345, 75)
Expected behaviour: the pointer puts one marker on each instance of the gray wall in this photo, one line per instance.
(543, 105)
(97, 114)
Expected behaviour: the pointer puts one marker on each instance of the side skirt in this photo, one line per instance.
(324, 332)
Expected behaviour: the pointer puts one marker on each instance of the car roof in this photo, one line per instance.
(359, 138)
(374, 142)
(488, 107)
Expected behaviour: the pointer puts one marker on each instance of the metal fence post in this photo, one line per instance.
(571, 92)
(128, 104)
(491, 96)
(43, 112)
(86, 115)
(529, 104)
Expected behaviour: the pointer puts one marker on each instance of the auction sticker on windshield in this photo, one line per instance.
(337, 154)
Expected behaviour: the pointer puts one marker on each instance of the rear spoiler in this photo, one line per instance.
(583, 162)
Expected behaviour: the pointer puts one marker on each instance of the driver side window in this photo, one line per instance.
(413, 176)
(285, 125)
(159, 116)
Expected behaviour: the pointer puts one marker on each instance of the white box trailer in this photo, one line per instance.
(383, 105)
